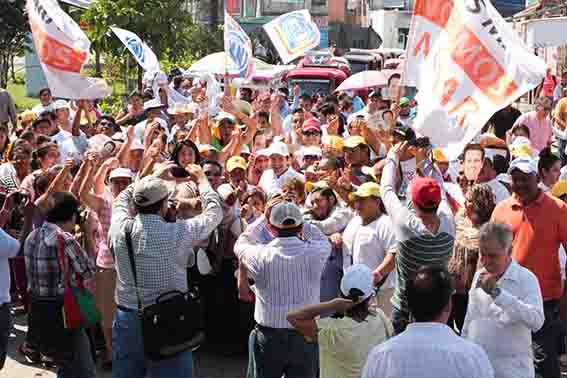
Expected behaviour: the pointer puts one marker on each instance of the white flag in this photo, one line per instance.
(293, 34)
(467, 63)
(143, 54)
(238, 47)
(62, 48)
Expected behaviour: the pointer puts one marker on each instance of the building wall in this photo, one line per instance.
(392, 26)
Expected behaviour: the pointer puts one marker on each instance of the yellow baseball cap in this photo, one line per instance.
(523, 150)
(439, 156)
(236, 162)
(334, 142)
(355, 141)
(312, 186)
(559, 189)
(368, 189)
(27, 116)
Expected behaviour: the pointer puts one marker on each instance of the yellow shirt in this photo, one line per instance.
(345, 343)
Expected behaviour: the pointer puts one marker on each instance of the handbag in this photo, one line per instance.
(79, 308)
(173, 324)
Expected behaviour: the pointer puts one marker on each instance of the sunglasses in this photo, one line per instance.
(312, 157)
(311, 133)
(213, 174)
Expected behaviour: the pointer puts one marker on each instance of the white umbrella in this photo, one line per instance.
(216, 64)
(367, 79)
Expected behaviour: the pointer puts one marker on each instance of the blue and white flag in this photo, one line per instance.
(143, 54)
(293, 34)
(238, 47)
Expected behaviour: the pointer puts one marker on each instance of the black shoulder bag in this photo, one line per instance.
(173, 324)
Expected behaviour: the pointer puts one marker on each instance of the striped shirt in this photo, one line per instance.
(417, 246)
(287, 271)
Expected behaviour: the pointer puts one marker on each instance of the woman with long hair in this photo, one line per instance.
(549, 169)
(479, 204)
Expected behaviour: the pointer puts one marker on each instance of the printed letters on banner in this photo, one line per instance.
(293, 34)
(62, 49)
(467, 63)
(143, 54)
(238, 47)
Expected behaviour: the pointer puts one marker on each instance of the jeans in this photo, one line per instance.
(546, 342)
(458, 312)
(274, 353)
(81, 364)
(5, 326)
(128, 357)
(562, 144)
(400, 320)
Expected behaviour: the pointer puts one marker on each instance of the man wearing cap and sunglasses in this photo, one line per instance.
(425, 236)
(287, 275)
(161, 251)
(539, 227)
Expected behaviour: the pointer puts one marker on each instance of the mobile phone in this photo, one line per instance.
(179, 172)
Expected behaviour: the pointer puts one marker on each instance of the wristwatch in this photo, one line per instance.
(495, 292)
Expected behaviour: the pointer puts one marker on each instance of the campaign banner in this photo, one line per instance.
(293, 34)
(62, 49)
(143, 54)
(467, 63)
(238, 48)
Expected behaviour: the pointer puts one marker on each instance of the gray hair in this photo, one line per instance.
(502, 233)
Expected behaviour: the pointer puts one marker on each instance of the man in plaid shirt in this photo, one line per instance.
(45, 283)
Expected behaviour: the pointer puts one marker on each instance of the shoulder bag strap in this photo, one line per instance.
(61, 258)
(128, 235)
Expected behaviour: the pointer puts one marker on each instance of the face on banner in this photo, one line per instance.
(472, 164)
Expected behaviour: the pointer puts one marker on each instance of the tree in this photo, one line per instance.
(165, 26)
(13, 35)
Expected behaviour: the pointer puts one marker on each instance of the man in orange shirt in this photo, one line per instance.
(539, 224)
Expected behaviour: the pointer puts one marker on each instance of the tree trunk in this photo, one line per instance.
(12, 68)
(3, 71)
(98, 68)
(140, 76)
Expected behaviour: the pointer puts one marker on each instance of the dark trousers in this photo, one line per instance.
(546, 343)
(274, 353)
(5, 326)
(400, 320)
(458, 312)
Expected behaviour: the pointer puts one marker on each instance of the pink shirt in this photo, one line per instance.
(540, 131)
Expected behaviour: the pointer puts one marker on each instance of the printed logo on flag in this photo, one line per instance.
(296, 32)
(238, 46)
(293, 34)
(135, 46)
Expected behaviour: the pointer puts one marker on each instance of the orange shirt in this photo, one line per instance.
(538, 230)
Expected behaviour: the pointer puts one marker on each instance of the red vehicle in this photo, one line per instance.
(317, 78)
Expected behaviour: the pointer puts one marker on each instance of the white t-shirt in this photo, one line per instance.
(344, 343)
(500, 191)
(368, 244)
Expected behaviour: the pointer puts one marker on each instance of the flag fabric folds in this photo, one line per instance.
(143, 54)
(238, 48)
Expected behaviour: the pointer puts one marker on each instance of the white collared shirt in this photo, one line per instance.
(500, 191)
(271, 183)
(427, 350)
(503, 326)
(287, 271)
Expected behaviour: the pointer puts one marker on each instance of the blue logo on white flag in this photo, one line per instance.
(135, 46)
(238, 46)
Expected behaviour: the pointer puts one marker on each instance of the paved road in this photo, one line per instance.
(207, 365)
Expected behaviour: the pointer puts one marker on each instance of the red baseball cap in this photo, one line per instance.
(311, 124)
(425, 192)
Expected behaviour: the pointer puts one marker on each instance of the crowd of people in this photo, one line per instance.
(323, 235)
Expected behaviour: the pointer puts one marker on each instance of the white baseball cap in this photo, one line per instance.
(263, 152)
(225, 190)
(150, 190)
(286, 215)
(121, 172)
(278, 148)
(524, 164)
(359, 277)
(61, 104)
(153, 104)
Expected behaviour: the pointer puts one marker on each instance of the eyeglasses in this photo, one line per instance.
(312, 157)
(311, 133)
(213, 174)
(105, 124)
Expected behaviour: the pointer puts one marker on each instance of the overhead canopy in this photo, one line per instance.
(546, 32)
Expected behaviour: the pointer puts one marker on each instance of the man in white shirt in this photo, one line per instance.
(505, 306)
(287, 276)
(153, 109)
(488, 176)
(281, 173)
(428, 348)
(368, 238)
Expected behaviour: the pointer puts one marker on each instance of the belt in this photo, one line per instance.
(125, 309)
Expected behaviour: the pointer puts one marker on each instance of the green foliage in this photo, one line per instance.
(13, 28)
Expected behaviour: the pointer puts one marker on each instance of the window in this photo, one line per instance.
(319, 3)
(403, 34)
